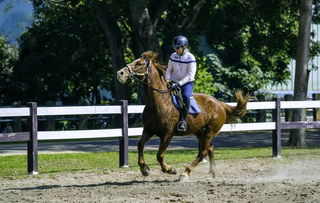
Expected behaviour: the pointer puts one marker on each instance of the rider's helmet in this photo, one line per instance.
(180, 41)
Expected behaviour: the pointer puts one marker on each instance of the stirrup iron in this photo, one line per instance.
(182, 126)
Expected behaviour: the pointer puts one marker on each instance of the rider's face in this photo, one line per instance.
(179, 50)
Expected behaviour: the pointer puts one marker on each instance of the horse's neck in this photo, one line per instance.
(157, 99)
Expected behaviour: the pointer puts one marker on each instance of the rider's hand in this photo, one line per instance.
(174, 86)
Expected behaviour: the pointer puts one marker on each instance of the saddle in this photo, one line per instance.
(178, 103)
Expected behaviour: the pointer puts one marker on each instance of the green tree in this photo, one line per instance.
(204, 81)
(253, 39)
(82, 44)
(8, 55)
(63, 56)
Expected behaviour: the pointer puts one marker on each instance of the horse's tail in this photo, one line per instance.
(236, 111)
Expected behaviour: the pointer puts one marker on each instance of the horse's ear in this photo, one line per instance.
(150, 55)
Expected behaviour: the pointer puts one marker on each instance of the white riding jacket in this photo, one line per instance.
(181, 69)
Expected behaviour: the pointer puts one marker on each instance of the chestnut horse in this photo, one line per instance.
(160, 117)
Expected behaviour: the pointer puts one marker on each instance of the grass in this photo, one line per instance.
(12, 167)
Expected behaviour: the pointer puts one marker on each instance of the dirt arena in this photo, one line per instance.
(248, 180)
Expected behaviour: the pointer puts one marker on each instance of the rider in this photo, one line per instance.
(181, 72)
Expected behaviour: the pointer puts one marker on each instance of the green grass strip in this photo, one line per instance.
(12, 167)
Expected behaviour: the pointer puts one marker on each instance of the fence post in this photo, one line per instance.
(276, 135)
(33, 142)
(123, 141)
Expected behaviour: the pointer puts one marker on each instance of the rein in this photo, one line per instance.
(153, 88)
(133, 75)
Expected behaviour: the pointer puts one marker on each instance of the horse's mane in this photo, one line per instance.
(152, 56)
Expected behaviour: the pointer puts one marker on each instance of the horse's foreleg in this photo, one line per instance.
(164, 143)
(145, 170)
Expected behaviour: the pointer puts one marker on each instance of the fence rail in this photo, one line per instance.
(32, 137)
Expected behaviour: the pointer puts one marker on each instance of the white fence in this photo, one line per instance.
(116, 109)
(123, 133)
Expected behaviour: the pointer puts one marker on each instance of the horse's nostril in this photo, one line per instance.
(121, 73)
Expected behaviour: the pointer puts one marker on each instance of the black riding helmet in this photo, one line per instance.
(180, 41)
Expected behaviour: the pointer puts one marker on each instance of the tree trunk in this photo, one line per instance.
(185, 26)
(188, 22)
(156, 8)
(143, 28)
(143, 33)
(114, 38)
(144, 21)
(297, 137)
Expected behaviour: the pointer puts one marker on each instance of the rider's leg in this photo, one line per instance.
(186, 91)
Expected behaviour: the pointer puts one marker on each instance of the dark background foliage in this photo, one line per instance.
(72, 51)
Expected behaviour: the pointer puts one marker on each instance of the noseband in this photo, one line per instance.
(133, 75)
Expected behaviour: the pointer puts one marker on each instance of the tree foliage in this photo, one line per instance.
(63, 56)
(73, 50)
(254, 40)
(8, 55)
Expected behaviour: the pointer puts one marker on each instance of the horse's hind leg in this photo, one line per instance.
(203, 151)
(164, 143)
(212, 169)
(145, 170)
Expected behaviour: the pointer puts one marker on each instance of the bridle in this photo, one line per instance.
(133, 75)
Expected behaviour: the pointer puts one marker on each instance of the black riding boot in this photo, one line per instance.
(182, 125)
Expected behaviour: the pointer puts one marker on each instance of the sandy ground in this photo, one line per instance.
(248, 180)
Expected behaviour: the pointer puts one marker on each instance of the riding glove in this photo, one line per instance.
(174, 86)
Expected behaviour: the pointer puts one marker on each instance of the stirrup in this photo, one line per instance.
(182, 126)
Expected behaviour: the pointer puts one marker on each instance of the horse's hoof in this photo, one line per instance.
(172, 171)
(145, 171)
(184, 177)
(213, 173)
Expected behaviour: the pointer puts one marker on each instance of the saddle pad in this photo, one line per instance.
(194, 108)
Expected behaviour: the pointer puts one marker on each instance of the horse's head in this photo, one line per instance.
(138, 69)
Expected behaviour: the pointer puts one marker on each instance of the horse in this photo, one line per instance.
(160, 116)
